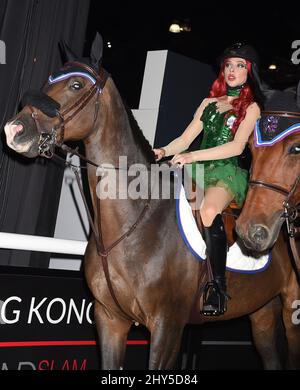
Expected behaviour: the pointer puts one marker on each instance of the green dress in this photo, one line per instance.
(224, 173)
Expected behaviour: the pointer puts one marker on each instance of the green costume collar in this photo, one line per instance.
(234, 91)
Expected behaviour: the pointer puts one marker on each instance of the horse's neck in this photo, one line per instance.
(113, 136)
(113, 143)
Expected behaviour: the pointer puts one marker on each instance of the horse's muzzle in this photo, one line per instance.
(256, 237)
(258, 234)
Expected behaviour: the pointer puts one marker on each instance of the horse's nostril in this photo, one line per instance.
(18, 128)
(259, 234)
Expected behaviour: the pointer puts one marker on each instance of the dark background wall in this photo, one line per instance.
(186, 83)
(30, 190)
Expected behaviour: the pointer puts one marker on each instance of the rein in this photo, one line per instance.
(101, 250)
(47, 143)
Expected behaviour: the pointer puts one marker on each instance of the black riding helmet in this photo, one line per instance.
(241, 50)
(247, 52)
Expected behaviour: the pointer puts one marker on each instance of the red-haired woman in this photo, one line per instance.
(227, 118)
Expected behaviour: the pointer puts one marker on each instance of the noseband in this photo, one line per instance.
(48, 140)
(290, 208)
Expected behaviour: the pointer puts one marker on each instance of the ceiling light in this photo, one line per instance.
(272, 67)
(175, 28)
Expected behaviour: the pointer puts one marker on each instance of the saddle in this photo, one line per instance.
(229, 215)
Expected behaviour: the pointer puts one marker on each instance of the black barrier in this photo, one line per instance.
(46, 323)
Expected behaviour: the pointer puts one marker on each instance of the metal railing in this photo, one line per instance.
(41, 244)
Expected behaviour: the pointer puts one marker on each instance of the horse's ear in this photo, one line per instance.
(67, 54)
(267, 91)
(298, 95)
(96, 51)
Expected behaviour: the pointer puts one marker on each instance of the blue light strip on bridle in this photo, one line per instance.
(259, 142)
(64, 76)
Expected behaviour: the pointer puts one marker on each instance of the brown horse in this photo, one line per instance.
(136, 264)
(274, 194)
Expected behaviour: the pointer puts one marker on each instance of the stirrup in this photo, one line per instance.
(212, 289)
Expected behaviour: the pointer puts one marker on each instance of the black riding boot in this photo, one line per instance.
(215, 297)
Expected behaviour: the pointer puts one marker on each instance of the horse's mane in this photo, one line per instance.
(138, 136)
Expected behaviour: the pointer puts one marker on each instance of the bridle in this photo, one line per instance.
(49, 140)
(291, 209)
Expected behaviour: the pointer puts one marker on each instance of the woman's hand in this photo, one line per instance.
(181, 159)
(159, 153)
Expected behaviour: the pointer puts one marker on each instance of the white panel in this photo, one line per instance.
(153, 79)
(72, 265)
(147, 120)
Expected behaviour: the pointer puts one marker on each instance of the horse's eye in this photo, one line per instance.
(76, 85)
(295, 149)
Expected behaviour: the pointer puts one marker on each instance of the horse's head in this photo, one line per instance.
(50, 116)
(274, 185)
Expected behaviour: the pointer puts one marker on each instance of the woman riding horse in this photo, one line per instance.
(143, 271)
(228, 118)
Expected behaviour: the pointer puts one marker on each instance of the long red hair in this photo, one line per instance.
(240, 104)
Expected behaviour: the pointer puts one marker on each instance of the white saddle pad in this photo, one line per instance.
(237, 261)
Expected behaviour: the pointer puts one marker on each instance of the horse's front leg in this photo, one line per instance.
(112, 334)
(265, 332)
(165, 343)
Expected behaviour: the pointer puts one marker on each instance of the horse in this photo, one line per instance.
(273, 196)
(137, 266)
